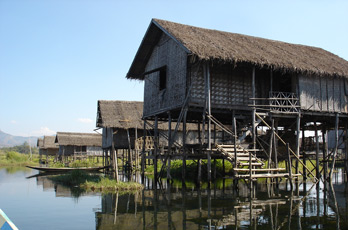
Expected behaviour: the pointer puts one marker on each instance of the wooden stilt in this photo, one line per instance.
(336, 147)
(324, 152)
(304, 153)
(130, 160)
(298, 130)
(208, 111)
(143, 159)
(169, 144)
(316, 151)
(114, 165)
(155, 149)
(289, 165)
(346, 150)
(184, 147)
(199, 170)
(253, 122)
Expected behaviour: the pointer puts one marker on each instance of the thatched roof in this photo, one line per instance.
(120, 114)
(39, 143)
(49, 142)
(78, 139)
(126, 115)
(206, 44)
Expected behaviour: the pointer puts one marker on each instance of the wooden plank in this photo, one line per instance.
(260, 170)
(267, 175)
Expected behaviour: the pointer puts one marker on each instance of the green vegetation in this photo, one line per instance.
(94, 181)
(12, 158)
(24, 149)
(192, 169)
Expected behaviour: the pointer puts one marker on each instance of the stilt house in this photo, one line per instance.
(123, 129)
(79, 145)
(244, 84)
(47, 147)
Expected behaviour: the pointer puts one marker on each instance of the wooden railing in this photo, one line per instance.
(278, 102)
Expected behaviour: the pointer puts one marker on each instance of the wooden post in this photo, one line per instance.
(115, 166)
(143, 159)
(155, 148)
(336, 147)
(271, 145)
(199, 176)
(289, 165)
(208, 106)
(298, 130)
(304, 153)
(234, 140)
(184, 147)
(275, 144)
(324, 152)
(316, 151)
(136, 148)
(253, 122)
(130, 161)
(169, 144)
(346, 150)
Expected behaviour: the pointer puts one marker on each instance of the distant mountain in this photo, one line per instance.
(7, 140)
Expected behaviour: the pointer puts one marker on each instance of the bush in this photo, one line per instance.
(16, 157)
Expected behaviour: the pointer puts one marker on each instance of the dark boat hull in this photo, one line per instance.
(49, 169)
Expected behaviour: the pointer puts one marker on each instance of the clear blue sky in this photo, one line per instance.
(59, 57)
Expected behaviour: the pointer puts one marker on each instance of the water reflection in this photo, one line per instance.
(186, 206)
(174, 206)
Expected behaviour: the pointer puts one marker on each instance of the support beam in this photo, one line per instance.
(336, 147)
(253, 121)
(184, 146)
(316, 150)
(169, 144)
(143, 159)
(208, 112)
(155, 149)
(298, 131)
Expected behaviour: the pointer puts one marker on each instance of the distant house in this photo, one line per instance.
(123, 127)
(47, 147)
(78, 145)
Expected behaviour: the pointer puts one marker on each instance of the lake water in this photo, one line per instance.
(38, 203)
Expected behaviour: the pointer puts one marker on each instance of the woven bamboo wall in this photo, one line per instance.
(230, 87)
(323, 94)
(166, 53)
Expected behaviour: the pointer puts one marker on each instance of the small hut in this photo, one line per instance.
(123, 131)
(47, 147)
(73, 146)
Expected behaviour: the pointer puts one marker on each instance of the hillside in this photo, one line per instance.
(7, 140)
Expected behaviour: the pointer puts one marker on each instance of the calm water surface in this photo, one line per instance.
(38, 203)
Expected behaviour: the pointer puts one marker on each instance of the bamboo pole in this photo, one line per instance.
(316, 150)
(276, 134)
(336, 147)
(143, 159)
(169, 144)
(253, 122)
(298, 130)
(155, 148)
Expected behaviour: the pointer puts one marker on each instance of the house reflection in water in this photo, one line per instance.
(308, 206)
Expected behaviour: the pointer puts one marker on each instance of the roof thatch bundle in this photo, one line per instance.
(78, 139)
(126, 115)
(49, 142)
(207, 44)
(120, 114)
(39, 143)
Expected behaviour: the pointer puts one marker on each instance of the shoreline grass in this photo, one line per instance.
(12, 158)
(94, 182)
